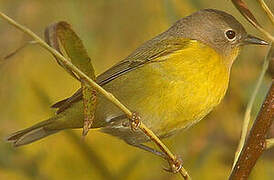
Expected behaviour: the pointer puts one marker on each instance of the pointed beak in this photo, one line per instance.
(253, 40)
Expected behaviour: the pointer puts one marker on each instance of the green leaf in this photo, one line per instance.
(61, 37)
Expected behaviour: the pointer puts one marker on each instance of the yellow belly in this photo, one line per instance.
(170, 94)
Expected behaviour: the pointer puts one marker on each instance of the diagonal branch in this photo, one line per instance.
(90, 82)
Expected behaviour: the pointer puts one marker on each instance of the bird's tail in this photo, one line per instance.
(33, 133)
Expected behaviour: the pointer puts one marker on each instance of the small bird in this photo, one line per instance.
(173, 81)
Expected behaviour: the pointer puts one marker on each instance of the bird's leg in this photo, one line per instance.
(175, 165)
(151, 150)
(134, 124)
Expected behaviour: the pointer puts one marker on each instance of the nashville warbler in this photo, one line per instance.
(173, 81)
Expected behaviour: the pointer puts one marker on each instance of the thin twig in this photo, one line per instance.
(19, 49)
(267, 10)
(89, 81)
(249, 108)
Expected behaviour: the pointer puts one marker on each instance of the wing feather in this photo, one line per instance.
(151, 51)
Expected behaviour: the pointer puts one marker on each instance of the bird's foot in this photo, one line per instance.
(175, 165)
(134, 121)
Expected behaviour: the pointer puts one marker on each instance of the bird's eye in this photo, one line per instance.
(230, 34)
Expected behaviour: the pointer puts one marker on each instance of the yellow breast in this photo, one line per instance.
(182, 88)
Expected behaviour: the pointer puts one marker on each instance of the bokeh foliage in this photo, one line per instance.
(31, 81)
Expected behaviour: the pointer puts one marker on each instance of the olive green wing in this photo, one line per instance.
(154, 50)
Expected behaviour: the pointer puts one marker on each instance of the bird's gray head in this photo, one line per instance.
(215, 28)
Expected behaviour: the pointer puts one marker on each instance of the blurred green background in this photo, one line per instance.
(31, 81)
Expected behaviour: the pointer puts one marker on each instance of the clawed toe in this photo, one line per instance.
(134, 121)
(175, 165)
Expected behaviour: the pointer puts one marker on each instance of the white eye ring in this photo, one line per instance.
(230, 34)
